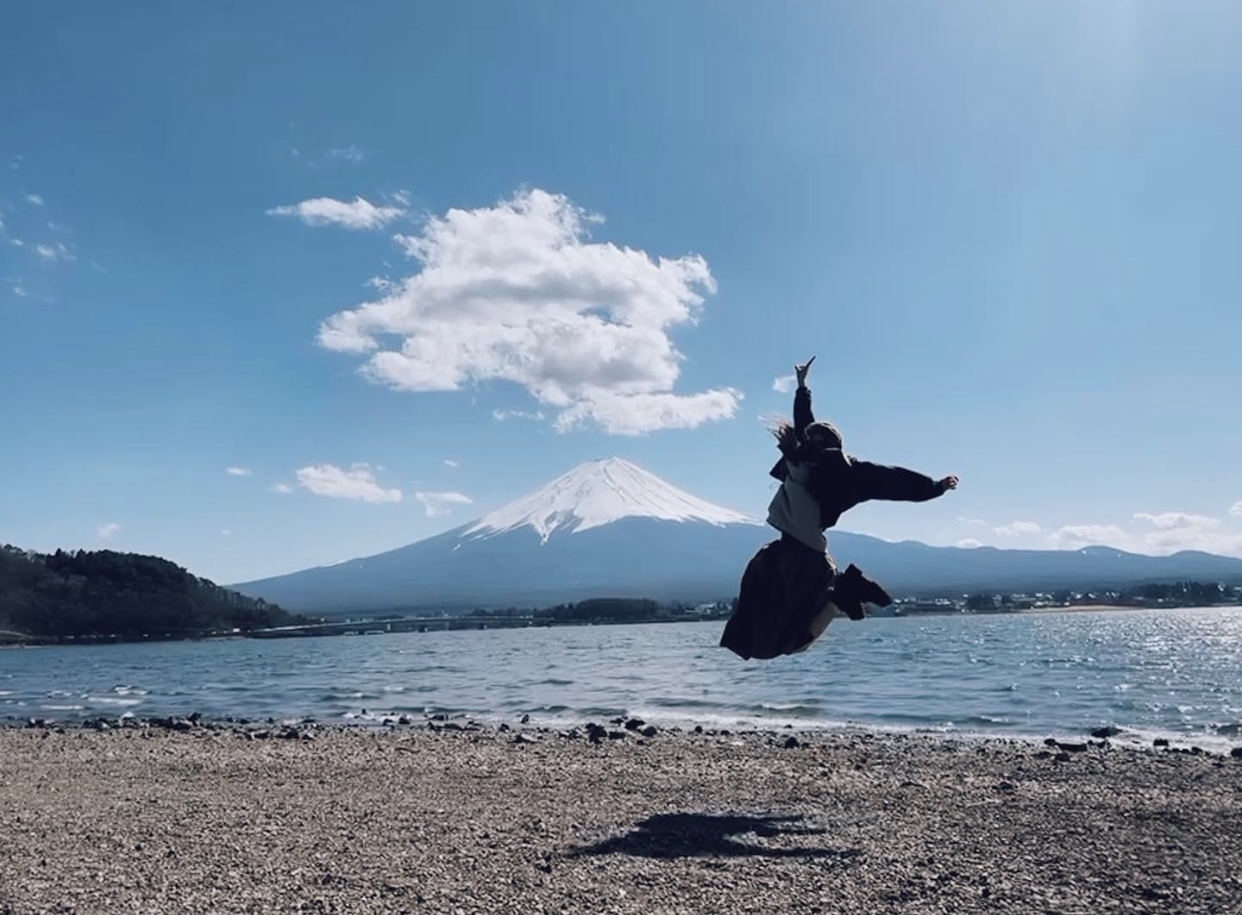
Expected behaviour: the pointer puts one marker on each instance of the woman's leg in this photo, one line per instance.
(852, 589)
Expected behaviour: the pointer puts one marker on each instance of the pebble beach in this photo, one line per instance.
(188, 816)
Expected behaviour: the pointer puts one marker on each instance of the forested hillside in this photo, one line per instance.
(130, 596)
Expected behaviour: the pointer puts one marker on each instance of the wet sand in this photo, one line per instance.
(215, 819)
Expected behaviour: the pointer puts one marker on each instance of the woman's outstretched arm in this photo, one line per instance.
(802, 414)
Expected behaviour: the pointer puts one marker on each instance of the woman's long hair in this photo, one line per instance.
(795, 447)
(786, 438)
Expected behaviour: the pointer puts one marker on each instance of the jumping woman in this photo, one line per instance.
(791, 589)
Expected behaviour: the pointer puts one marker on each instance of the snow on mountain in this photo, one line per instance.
(596, 493)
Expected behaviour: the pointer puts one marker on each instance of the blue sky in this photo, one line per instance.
(1008, 232)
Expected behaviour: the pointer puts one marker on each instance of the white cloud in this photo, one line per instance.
(439, 503)
(336, 483)
(501, 415)
(1077, 536)
(1206, 539)
(1170, 520)
(1176, 531)
(1158, 535)
(322, 211)
(1236, 509)
(20, 291)
(449, 462)
(515, 292)
(637, 414)
(226, 533)
(107, 531)
(784, 384)
(348, 153)
(282, 488)
(1018, 529)
(238, 471)
(35, 199)
(54, 252)
(970, 543)
(977, 521)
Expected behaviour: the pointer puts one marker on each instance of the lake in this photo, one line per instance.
(1171, 672)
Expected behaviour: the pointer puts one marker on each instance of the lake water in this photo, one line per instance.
(1174, 673)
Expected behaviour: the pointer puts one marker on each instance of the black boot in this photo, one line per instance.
(868, 591)
(852, 589)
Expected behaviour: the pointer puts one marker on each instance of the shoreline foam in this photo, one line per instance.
(1129, 738)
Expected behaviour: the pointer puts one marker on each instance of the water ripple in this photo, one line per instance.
(1151, 672)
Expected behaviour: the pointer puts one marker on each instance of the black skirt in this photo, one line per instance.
(783, 605)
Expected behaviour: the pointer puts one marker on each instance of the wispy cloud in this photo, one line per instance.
(784, 384)
(1018, 529)
(1157, 534)
(449, 462)
(1169, 520)
(440, 503)
(238, 471)
(107, 531)
(517, 293)
(969, 543)
(357, 483)
(1236, 509)
(226, 533)
(323, 211)
(1077, 536)
(976, 521)
(34, 199)
(501, 415)
(282, 488)
(20, 291)
(56, 252)
(348, 153)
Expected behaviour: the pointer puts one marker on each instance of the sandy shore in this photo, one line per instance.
(153, 820)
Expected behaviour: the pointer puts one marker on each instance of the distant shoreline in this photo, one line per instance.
(1078, 608)
(358, 627)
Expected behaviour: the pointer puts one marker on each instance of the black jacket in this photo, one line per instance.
(839, 481)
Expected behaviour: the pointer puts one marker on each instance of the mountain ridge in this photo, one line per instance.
(608, 528)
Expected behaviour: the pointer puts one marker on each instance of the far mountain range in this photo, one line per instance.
(608, 528)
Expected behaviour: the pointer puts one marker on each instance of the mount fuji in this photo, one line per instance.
(608, 528)
(605, 528)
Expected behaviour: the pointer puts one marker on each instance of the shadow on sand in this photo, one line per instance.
(687, 835)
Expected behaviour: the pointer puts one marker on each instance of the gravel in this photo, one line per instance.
(216, 818)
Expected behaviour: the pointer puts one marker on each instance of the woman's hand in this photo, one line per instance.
(801, 370)
(948, 483)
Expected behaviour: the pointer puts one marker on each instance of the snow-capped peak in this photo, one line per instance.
(597, 493)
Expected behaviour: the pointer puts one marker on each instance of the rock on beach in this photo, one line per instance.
(471, 820)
